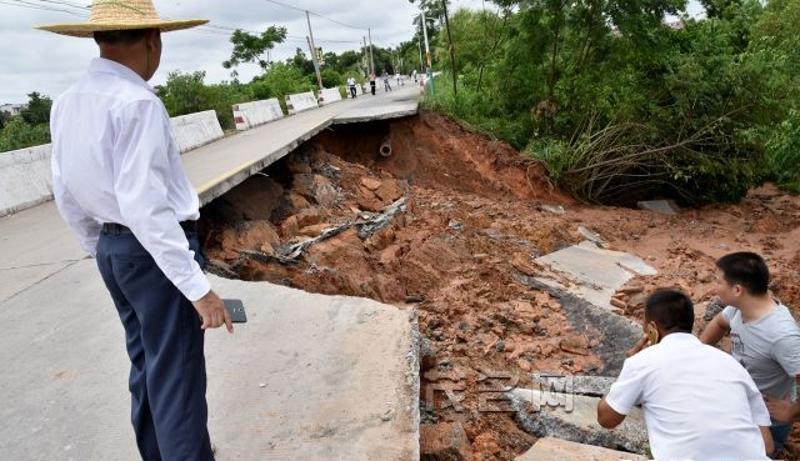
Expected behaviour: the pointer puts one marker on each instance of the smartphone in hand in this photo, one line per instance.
(235, 309)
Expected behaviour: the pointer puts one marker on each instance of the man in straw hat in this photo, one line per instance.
(119, 184)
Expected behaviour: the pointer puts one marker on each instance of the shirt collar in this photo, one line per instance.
(679, 337)
(108, 66)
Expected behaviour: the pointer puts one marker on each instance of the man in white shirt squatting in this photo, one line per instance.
(699, 403)
(118, 182)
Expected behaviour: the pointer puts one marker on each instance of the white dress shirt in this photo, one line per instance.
(699, 403)
(114, 161)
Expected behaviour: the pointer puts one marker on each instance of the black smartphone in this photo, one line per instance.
(235, 310)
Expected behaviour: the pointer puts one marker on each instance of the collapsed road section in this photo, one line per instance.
(426, 214)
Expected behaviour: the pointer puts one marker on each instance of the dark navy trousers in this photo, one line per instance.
(165, 345)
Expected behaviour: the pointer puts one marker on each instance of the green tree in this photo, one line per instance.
(37, 111)
(249, 47)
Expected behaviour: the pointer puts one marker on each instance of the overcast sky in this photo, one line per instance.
(32, 60)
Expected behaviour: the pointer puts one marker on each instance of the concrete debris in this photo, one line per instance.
(591, 386)
(367, 224)
(615, 333)
(551, 448)
(591, 236)
(592, 273)
(555, 209)
(574, 418)
(665, 207)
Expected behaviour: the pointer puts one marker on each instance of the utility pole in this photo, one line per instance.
(421, 64)
(313, 48)
(429, 70)
(452, 48)
(371, 57)
(366, 58)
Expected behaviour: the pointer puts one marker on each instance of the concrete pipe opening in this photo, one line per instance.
(386, 148)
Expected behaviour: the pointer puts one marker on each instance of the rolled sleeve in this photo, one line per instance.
(626, 392)
(728, 313)
(141, 189)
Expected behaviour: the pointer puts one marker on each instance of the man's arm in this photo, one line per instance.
(623, 395)
(607, 416)
(758, 410)
(83, 226)
(769, 444)
(141, 186)
(715, 330)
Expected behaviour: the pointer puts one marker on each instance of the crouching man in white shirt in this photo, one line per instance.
(699, 403)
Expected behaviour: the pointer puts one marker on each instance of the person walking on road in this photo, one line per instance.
(351, 83)
(372, 83)
(386, 86)
(119, 185)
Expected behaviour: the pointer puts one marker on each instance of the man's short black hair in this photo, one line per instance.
(120, 37)
(746, 269)
(671, 309)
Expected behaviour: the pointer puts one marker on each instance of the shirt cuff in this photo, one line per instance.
(196, 286)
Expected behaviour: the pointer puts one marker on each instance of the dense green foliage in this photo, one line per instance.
(620, 106)
(30, 128)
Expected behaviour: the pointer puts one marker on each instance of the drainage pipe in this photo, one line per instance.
(386, 147)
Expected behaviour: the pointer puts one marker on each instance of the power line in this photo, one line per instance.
(302, 10)
(38, 6)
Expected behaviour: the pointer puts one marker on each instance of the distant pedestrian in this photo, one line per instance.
(414, 75)
(372, 83)
(386, 86)
(351, 83)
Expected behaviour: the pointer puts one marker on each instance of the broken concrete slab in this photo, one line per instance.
(593, 386)
(594, 274)
(308, 377)
(574, 418)
(615, 332)
(665, 207)
(551, 448)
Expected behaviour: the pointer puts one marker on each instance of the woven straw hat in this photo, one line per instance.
(109, 15)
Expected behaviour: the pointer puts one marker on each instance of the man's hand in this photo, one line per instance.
(641, 344)
(212, 311)
(782, 411)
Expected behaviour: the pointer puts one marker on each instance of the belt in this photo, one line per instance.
(116, 229)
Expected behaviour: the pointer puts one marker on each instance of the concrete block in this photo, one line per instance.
(329, 95)
(595, 273)
(309, 377)
(194, 130)
(250, 114)
(551, 448)
(25, 178)
(665, 207)
(574, 418)
(301, 101)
